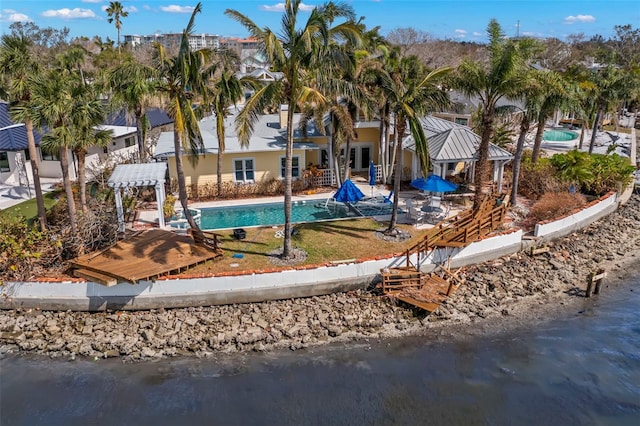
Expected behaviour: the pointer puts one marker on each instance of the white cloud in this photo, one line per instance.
(10, 15)
(131, 9)
(279, 7)
(477, 34)
(66, 13)
(177, 9)
(579, 18)
(146, 7)
(460, 33)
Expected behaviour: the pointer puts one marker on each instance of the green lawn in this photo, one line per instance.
(29, 209)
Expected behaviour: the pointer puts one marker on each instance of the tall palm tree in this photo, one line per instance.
(55, 94)
(88, 115)
(115, 11)
(227, 91)
(17, 69)
(296, 51)
(133, 85)
(181, 82)
(411, 94)
(501, 77)
(555, 94)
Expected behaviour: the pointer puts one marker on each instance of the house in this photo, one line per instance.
(14, 154)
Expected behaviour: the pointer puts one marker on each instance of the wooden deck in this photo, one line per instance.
(422, 290)
(145, 256)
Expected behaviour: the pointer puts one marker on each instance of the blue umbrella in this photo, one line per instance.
(434, 183)
(348, 193)
(372, 175)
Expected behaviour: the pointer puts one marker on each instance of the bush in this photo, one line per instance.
(555, 204)
(232, 190)
(26, 252)
(539, 178)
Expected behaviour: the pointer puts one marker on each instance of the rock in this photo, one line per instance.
(148, 335)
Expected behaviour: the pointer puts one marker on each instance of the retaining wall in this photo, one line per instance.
(303, 281)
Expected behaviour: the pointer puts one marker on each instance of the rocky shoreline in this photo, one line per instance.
(498, 295)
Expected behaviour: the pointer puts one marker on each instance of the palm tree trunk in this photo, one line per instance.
(538, 140)
(82, 179)
(524, 127)
(68, 190)
(35, 167)
(140, 136)
(219, 172)
(286, 249)
(482, 165)
(594, 133)
(182, 186)
(397, 177)
(347, 160)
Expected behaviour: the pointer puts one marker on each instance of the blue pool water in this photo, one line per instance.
(273, 214)
(559, 135)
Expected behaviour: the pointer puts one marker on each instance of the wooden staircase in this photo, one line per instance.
(428, 291)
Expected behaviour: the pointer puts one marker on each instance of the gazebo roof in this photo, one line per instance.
(452, 142)
(134, 175)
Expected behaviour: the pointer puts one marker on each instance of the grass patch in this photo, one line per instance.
(29, 209)
(323, 241)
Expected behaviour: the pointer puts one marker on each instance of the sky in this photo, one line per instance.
(463, 20)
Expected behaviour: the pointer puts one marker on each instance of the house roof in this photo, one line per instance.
(134, 175)
(13, 137)
(449, 142)
(119, 131)
(157, 117)
(267, 136)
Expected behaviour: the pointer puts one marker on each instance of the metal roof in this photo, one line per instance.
(449, 142)
(134, 175)
(267, 136)
(13, 137)
(156, 116)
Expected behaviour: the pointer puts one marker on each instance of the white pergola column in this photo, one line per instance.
(160, 197)
(499, 165)
(119, 209)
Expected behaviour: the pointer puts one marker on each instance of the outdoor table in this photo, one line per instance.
(431, 209)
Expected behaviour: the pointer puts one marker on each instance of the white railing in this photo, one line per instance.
(327, 177)
(180, 223)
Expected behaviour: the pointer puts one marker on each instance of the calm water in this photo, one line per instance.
(559, 135)
(580, 370)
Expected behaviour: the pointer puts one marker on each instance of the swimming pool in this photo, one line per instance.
(273, 213)
(559, 135)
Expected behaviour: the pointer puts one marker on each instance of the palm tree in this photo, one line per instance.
(55, 94)
(502, 77)
(554, 95)
(181, 81)
(133, 85)
(296, 51)
(88, 114)
(411, 95)
(115, 11)
(18, 68)
(227, 91)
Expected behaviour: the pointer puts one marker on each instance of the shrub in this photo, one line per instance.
(25, 251)
(539, 178)
(610, 173)
(555, 204)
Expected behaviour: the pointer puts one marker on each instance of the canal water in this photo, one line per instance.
(582, 369)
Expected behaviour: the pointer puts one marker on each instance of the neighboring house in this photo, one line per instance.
(14, 151)
(463, 107)
(14, 154)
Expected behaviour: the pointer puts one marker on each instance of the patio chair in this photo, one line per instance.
(416, 215)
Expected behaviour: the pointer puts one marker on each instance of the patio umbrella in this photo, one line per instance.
(434, 183)
(372, 175)
(348, 193)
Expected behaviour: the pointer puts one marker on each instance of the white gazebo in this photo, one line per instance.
(138, 175)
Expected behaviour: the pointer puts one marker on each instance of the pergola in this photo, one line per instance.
(127, 176)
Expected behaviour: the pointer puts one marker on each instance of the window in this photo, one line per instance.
(50, 157)
(243, 170)
(451, 167)
(295, 167)
(130, 141)
(463, 121)
(4, 162)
